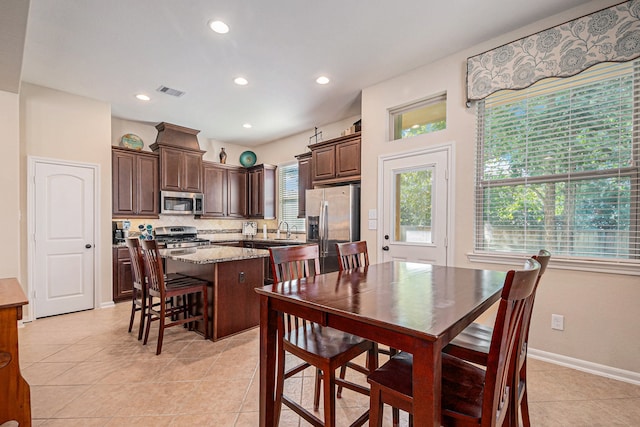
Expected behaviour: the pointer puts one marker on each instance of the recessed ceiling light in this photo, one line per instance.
(240, 81)
(219, 27)
(142, 97)
(322, 80)
(247, 126)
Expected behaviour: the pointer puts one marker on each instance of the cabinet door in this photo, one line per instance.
(348, 158)
(237, 193)
(304, 183)
(324, 163)
(122, 279)
(192, 172)
(122, 183)
(170, 169)
(256, 193)
(146, 186)
(215, 188)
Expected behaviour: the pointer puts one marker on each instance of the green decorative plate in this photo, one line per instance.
(248, 159)
(130, 140)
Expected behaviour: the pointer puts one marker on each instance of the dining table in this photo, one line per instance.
(410, 306)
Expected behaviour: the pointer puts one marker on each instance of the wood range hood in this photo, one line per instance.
(176, 136)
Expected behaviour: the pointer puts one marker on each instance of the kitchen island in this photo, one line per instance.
(233, 274)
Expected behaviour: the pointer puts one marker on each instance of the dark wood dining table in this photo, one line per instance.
(413, 307)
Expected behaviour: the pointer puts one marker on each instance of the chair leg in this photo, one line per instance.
(133, 309)
(343, 372)
(205, 312)
(147, 327)
(329, 376)
(524, 409)
(279, 376)
(143, 315)
(316, 393)
(375, 407)
(161, 329)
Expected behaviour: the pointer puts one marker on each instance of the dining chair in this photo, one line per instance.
(355, 255)
(474, 342)
(324, 348)
(469, 395)
(352, 255)
(175, 296)
(139, 295)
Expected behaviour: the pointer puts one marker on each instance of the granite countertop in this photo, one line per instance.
(212, 254)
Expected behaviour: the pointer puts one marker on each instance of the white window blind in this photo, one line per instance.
(557, 166)
(288, 196)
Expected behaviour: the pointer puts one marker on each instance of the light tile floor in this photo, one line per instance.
(86, 370)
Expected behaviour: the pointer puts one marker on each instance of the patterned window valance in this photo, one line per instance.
(611, 34)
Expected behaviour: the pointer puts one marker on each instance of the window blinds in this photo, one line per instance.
(288, 194)
(557, 166)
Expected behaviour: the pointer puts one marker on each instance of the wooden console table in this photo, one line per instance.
(15, 404)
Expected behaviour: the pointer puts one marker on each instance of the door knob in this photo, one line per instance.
(385, 248)
(88, 246)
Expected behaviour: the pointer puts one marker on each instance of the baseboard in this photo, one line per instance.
(109, 304)
(585, 366)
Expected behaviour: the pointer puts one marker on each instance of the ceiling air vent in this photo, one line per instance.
(169, 91)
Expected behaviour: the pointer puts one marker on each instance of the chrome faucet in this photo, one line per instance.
(293, 227)
(287, 224)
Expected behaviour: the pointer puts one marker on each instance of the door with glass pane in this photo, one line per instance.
(415, 207)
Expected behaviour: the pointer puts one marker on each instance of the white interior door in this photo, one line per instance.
(415, 207)
(63, 238)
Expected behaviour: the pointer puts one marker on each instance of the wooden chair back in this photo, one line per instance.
(137, 268)
(294, 262)
(153, 268)
(352, 255)
(518, 287)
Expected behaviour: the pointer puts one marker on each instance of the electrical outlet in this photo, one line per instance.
(557, 322)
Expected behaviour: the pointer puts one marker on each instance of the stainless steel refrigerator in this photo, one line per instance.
(333, 216)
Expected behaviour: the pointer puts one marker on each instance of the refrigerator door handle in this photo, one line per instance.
(323, 232)
(326, 229)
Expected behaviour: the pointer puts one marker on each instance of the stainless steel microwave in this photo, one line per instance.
(177, 203)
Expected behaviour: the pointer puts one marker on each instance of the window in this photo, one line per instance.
(558, 166)
(288, 195)
(428, 115)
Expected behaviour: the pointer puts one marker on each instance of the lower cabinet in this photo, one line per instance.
(122, 280)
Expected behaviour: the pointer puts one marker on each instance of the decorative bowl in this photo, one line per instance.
(248, 159)
(131, 140)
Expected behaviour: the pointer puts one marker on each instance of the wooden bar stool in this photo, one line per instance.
(181, 290)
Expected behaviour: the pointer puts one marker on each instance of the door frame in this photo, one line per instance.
(449, 149)
(32, 161)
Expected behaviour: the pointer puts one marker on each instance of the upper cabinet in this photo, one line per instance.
(180, 158)
(304, 181)
(225, 191)
(262, 191)
(336, 161)
(180, 170)
(134, 180)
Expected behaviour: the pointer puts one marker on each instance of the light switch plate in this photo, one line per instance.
(373, 224)
(373, 214)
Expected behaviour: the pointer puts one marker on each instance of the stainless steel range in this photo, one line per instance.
(179, 237)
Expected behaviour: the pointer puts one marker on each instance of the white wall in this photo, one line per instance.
(62, 126)
(601, 315)
(10, 187)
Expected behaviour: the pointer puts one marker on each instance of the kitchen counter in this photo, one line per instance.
(212, 254)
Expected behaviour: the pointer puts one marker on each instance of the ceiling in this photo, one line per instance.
(113, 50)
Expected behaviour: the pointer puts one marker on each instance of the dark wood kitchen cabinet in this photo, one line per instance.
(337, 160)
(122, 280)
(225, 191)
(180, 158)
(262, 191)
(215, 186)
(304, 181)
(180, 170)
(134, 184)
(237, 199)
